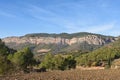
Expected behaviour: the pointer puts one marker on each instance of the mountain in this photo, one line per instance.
(63, 42)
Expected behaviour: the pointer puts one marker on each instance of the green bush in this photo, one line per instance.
(58, 62)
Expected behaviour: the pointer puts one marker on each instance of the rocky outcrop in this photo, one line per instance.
(90, 39)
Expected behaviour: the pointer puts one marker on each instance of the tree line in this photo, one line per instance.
(22, 60)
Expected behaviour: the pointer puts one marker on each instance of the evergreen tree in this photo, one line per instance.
(48, 61)
(22, 59)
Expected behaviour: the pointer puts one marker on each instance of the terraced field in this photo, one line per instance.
(68, 75)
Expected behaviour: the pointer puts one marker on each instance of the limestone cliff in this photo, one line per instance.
(90, 39)
(59, 42)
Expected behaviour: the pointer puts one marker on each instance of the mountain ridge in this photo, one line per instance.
(59, 40)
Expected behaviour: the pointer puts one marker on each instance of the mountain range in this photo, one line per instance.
(59, 43)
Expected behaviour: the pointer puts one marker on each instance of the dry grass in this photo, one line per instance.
(68, 75)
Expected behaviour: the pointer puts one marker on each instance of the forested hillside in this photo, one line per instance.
(105, 54)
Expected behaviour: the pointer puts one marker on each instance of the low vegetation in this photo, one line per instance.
(68, 75)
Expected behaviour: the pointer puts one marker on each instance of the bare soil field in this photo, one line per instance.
(77, 74)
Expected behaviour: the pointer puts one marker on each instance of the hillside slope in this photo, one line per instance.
(59, 42)
(107, 54)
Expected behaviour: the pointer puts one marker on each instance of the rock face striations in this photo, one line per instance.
(58, 42)
(90, 39)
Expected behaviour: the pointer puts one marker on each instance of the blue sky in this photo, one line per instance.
(19, 17)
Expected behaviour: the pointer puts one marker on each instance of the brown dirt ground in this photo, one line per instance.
(77, 74)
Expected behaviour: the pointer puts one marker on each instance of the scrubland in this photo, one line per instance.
(77, 74)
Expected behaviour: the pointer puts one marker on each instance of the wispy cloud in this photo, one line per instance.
(6, 14)
(39, 13)
(61, 15)
(101, 28)
(93, 28)
(36, 9)
(78, 25)
(114, 33)
(46, 15)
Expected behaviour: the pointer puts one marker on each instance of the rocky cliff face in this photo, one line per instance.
(90, 39)
(56, 43)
